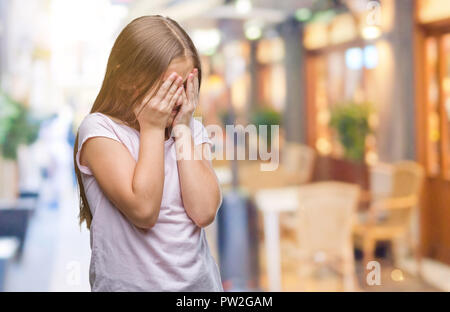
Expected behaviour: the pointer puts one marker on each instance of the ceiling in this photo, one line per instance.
(206, 13)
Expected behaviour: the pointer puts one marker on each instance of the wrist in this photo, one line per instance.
(184, 118)
(152, 131)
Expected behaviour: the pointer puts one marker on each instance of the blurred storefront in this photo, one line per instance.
(351, 57)
(432, 32)
(394, 58)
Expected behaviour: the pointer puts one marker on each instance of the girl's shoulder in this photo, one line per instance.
(93, 125)
(92, 119)
(98, 124)
(95, 122)
(96, 119)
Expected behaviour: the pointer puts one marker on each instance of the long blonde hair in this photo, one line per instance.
(140, 56)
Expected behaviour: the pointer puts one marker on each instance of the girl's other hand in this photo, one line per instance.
(155, 110)
(189, 100)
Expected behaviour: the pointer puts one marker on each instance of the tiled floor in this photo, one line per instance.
(56, 255)
(32, 272)
(324, 279)
(433, 272)
(394, 280)
(56, 258)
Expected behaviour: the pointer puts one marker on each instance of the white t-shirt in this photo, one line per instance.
(171, 256)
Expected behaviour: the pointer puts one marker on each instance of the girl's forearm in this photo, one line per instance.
(148, 179)
(199, 186)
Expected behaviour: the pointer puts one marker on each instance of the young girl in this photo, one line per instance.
(147, 186)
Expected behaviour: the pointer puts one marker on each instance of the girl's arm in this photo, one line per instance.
(136, 188)
(199, 185)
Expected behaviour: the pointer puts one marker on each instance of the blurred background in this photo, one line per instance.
(360, 89)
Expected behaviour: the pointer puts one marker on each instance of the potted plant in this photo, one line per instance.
(17, 127)
(350, 120)
(266, 116)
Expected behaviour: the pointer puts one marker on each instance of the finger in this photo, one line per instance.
(180, 98)
(187, 104)
(196, 82)
(196, 87)
(173, 89)
(190, 87)
(165, 87)
(166, 102)
(184, 99)
(176, 96)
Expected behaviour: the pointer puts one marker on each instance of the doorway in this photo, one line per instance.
(433, 133)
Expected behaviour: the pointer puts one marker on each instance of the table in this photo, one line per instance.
(271, 202)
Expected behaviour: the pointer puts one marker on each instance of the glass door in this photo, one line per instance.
(437, 53)
(445, 105)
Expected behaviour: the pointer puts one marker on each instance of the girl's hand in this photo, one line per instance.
(155, 110)
(189, 99)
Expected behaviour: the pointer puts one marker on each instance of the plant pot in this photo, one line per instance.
(337, 169)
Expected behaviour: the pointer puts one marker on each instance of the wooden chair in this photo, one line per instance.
(298, 162)
(395, 196)
(253, 179)
(296, 167)
(324, 228)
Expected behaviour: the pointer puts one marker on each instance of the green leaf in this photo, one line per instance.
(351, 122)
(16, 126)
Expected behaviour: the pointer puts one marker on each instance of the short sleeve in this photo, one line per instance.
(93, 125)
(200, 134)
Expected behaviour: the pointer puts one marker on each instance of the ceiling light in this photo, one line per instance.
(243, 6)
(303, 14)
(206, 40)
(253, 32)
(371, 32)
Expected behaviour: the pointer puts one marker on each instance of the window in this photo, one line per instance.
(338, 76)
